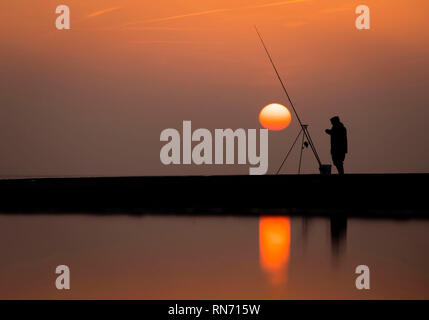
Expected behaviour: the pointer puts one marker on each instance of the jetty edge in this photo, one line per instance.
(357, 194)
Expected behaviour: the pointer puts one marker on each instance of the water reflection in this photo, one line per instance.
(275, 243)
(338, 235)
(274, 246)
(212, 257)
(306, 221)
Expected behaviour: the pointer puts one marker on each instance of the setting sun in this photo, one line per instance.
(275, 117)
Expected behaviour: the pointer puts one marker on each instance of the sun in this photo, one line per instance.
(275, 117)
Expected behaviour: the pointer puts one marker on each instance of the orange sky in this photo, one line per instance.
(93, 100)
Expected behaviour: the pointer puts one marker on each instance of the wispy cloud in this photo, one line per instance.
(296, 24)
(174, 42)
(214, 11)
(275, 4)
(158, 28)
(100, 12)
(335, 10)
(192, 14)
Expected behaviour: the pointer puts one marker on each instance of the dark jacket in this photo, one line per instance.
(338, 135)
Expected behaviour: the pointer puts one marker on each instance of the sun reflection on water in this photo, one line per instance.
(274, 247)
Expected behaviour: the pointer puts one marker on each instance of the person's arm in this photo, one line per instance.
(328, 131)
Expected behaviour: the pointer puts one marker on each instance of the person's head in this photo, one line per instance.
(335, 120)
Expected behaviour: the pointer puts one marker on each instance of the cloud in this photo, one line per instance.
(335, 10)
(207, 12)
(100, 12)
(189, 15)
(296, 24)
(173, 42)
(275, 4)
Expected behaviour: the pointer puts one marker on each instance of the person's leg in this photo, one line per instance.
(342, 158)
(339, 165)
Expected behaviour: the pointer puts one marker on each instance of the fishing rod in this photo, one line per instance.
(303, 126)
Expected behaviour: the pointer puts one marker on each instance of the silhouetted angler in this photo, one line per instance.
(338, 135)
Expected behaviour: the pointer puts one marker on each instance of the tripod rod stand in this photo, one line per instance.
(304, 130)
(305, 134)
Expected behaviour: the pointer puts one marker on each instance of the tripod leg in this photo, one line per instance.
(313, 148)
(287, 155)
(300, 156)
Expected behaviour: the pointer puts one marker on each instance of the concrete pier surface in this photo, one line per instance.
(355, 194)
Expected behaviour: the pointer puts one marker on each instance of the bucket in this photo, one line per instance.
(325, 169)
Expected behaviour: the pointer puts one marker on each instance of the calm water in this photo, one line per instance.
(196, 257)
